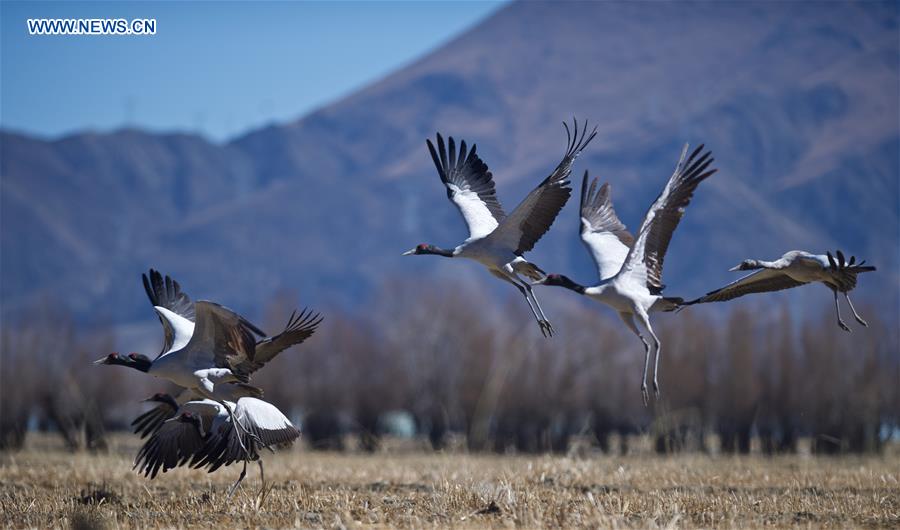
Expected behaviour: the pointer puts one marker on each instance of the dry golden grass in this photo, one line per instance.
(44, 487)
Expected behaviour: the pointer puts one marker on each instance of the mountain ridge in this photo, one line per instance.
(796, 103)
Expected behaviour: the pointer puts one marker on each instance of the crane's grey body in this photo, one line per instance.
(626, 297)
(485, 252)
(793, 269)
(497, 259)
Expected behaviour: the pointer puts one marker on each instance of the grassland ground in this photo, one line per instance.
(44, 487)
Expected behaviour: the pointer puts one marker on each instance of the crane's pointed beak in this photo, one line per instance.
(539, 282)
(409, 252)
(736, 268)
(101, 360)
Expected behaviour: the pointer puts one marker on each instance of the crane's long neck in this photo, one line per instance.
(169, 400)
(753, 264)
(140, 364)
(437, 251)
(568, 283)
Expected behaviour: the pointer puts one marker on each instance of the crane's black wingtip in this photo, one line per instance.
(146, 281)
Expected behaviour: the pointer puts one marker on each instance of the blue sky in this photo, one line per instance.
(218, 68)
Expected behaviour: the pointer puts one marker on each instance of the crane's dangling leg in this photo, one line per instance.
(522, 290)
(855, 314)
(240, 478)
(628, 319)
(544, 323)
(837, 309)
(521, 267)
(263, 491)
(656, 353)
(541, 322)
(645, 321)
(262, 473)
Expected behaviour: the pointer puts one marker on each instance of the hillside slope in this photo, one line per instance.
(798, 102)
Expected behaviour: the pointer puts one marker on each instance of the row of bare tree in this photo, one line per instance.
(458, 363)
(47, 380)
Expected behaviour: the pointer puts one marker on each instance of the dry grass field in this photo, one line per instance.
(44, 487)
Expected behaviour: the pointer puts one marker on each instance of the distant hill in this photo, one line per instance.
(797, 100)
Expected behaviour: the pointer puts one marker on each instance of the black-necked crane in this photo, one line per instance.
(208, 348)
(150, 421)
(167, 405)
(793, 269)
(207, 433)
(496, 240)
(207, 345)
(630, 269)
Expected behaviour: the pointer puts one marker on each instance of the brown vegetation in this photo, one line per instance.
(43, 487)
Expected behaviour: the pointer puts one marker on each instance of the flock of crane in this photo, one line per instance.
(211, 352)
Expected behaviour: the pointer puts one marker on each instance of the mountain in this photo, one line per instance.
(797, 100)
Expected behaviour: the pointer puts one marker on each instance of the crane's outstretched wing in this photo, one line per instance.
(533, 216)
(761, 281)
(263, 419)
(177, 440)
(645, 260)
(222, 338)
(470, 186)
(166, 293)
(150, 421)
(299, 328)
(604, 235)
(267, 425)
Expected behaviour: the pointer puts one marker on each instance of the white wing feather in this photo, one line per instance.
(608, 251)
(260, 415)
(605, 236)
(478, 217)
(182, 329)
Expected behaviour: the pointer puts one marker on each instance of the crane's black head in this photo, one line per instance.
(132, 360)
(139, 361)
(746, 265)
(138, 358)
(112, 358)
(560, 280)
(424, 248)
